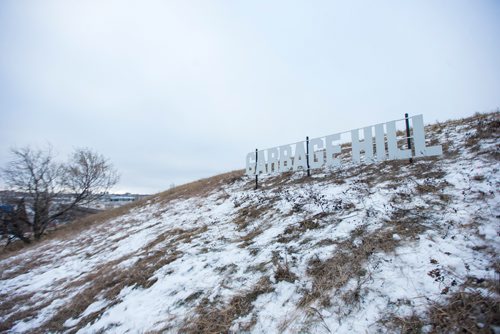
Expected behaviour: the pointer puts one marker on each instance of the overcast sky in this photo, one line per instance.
(173, 91)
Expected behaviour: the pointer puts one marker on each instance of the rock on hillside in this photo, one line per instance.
(388, 247)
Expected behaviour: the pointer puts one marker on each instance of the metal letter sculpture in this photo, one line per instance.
(324, 151)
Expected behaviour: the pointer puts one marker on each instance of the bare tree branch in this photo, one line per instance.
(87, 176)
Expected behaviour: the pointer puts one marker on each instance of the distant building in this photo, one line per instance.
(122, 198)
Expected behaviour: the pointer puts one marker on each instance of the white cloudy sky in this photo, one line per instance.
(172, 91)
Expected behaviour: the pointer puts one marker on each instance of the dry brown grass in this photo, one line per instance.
(246, 216)
(278, 181)
(466, 313)
(352, 254)
(212, 318)
(463, 312)
(282, 272)
(405, 325)
(327, 275)
(8, 307)
(295, 231)
(71, 230)
(198, 188)
(486, 126)
(247, 239)
(22, 266)
(258, 268)
(333, 273)
(107, 281)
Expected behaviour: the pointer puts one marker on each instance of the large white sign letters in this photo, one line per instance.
(380, 142)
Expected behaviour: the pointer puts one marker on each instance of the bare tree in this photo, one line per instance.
(34, 172)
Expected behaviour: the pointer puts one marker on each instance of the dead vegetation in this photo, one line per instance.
(282, 272)
(9, 303)
(295, 231)
(107, 282)
(198, 188)
(350, 257)
(247, 216)
(337, 282)
(411, 324)
(463, 312)
(247, 239)
(211, 317)
(21, 266)
(484, 126)
(247, 221)
(71, 230)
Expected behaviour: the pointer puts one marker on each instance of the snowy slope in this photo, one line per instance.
(375, 248)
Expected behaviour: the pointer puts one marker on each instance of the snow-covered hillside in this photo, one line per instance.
(387, 247)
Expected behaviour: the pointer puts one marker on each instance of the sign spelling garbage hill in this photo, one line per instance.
(369, 144)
